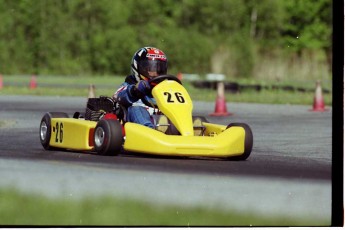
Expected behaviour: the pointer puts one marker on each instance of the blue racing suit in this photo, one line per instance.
(137, 108)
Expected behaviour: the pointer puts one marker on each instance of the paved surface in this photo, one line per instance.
(288, 173)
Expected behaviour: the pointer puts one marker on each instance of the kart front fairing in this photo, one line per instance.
(174, 101)
(230, 142)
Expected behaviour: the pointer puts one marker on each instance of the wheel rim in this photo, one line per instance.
(99, 136)
(43, 130)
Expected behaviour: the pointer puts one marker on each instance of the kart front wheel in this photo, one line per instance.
(46, 129)
(108, 137)
(248, 141)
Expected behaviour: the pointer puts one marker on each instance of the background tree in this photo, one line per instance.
(241, 38)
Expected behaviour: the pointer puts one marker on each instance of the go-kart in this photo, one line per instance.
(103, 128)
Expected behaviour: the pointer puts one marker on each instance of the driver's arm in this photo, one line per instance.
(127, 94)
(123, 96)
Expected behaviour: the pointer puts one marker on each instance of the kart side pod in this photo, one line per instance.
(57, 130)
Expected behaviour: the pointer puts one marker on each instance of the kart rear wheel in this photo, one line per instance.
(248, 141)
(46, 129)
(108, 137)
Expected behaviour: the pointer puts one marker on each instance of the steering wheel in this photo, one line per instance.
(159, 79)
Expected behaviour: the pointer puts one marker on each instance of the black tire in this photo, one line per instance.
(248, 142)
(45, 128)
(108, 137)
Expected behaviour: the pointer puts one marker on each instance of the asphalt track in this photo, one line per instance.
(288, 173)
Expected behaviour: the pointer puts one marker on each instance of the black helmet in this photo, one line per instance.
(148, 62)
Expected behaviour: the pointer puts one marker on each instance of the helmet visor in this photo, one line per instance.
(153, 68)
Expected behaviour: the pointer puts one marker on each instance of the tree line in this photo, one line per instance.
(199, 36)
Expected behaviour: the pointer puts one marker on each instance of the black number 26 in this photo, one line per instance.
(59, 132)
(178, 96)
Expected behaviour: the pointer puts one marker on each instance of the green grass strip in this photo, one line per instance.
(34, 210)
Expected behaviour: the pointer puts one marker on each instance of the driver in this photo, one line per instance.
(135, 93)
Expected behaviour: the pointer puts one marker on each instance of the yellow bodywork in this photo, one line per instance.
(70, 133)
(229, 142)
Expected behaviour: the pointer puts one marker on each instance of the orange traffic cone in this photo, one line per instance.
(220, 108)
(318, 105)
(33, 82)
(91, 91)
(1, 82)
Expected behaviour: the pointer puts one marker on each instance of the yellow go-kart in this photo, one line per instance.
(104, 129)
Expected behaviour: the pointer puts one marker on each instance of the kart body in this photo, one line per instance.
(177, 132)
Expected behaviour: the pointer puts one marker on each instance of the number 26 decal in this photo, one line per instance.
(171, 99)
(59, 132)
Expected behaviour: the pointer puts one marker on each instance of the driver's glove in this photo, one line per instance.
(141, 89)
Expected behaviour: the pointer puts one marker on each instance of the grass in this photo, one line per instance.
(78, 86)
(34, 210)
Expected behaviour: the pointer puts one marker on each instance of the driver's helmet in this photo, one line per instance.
(148, 62)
